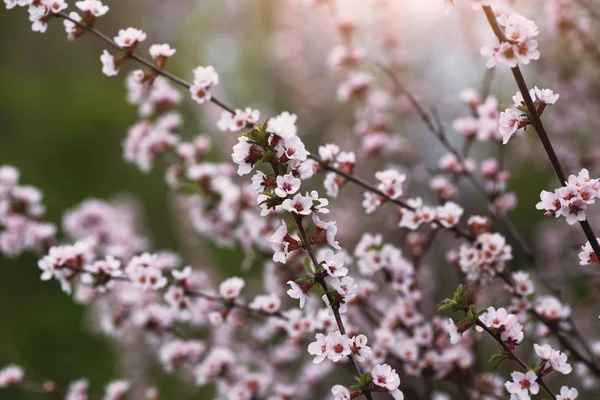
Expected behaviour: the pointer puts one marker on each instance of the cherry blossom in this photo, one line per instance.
(587, 255)
(557, 359)
(11, 375)
(318, 348)
(567, 393)
(204, 79)
(337, 345)
(550, 308)
(501, 322)
(386, 377)
(93, 7)
(268, 303)
(521, 48)
(287, 185)
(298, 292)
(55, 6)
(340, 393)
(523, 385)
(334, 263)
(299, 204)
(485, 258)
(116, 390)
(452, 329)
(109, 64)
(230, 288)
(129, 38)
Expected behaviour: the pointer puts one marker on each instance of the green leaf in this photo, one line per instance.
(365, 380)
(308, 265)
(496, 359)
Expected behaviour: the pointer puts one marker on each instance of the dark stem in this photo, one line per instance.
(536, 122)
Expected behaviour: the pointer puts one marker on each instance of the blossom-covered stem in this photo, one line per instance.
(140, 59)
(332, 303)
(47, 388)
(515, 358)
(233, 304)
(216, 299)
(536, 122)
(592, 366)
(222, 105)
(561, 339)
(323, 284)
(438, 131)
(365, 185)
(576, 331)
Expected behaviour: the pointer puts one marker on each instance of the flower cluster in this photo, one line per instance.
(552, 360)
(502, 323)
(519, 47)
(21, 215)
(487, 256)
(516, 118)
(390, 183)
(447, 215)
(336, 345)
(482, 124)
(331, 154)
(571, 200)
(204, 79)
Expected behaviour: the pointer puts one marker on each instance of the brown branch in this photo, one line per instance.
(537, 124)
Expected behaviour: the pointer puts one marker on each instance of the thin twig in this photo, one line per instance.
(437, 129)
(516, 358)
(191, 293)
(537, 124)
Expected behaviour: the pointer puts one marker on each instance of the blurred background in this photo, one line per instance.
(62, 122)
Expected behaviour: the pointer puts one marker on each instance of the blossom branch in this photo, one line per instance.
(437, 129)
(332, 303)
(511, 354)
(192, 293)
(222, 105)
(561, 339)
(138, 58)
(537, 124)
(367, 186)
